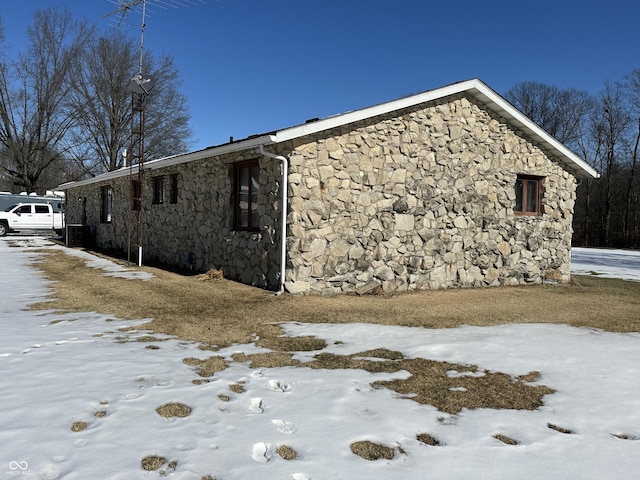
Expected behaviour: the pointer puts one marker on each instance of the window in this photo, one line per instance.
(528, 195)
(136, 192)
(106, 202)
(246, 186)
(173, 198)
(42, 209)
(158, 190)
(24, 209)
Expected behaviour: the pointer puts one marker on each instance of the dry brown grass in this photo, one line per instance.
(174, 409)
(207, 367)
(152, 462)
(430, 384)
(286, 452)
(236, 388)
(505, 439)
(221, 313)
(427, 439)
(559, 429)
(78, 426)
(372, 451)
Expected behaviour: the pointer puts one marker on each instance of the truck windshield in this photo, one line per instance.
(10, 208)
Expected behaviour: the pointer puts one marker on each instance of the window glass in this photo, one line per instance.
(247, 186)
(243, 198)
(519, 190)
(174, 188)
(158, 190)
(107, 204)
(42, 209)
(25, 209)
(528, 190)
(532, 195)
(255, 188)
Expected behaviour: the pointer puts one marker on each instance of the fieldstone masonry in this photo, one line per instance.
(196, 233)
(420, 198)
(423, 198)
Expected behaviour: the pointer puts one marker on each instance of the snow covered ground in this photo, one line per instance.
(608, 263)
(60, 369)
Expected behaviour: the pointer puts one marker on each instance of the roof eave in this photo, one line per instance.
(475, 87)
(176, 160)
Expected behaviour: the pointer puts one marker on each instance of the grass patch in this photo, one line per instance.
(505, 439)
(430, 384)
(207, 367)
(427, 439)
(174, 409)
(293, 344)
(623, 436)
(372, 451)
(286, 452)
(236, 388)
(559, 429)
(267, 359)
(152, 462)
(78, 426)
(222, 313)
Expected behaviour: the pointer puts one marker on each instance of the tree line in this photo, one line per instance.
(604, 130)
(65, 114)
(65, 103)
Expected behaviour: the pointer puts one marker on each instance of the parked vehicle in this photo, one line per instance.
(56, 199)
(31, 217)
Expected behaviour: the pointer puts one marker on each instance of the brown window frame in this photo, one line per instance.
(158, 190)
(525, 197)
(246, 218)
(106, 204)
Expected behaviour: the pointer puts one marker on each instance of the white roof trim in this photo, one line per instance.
(474, 87)
(175, 160)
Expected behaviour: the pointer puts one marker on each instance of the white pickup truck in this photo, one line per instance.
(30, 217)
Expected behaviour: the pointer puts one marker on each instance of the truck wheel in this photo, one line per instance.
(3, 229)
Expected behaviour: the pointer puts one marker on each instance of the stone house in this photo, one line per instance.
(451, 187)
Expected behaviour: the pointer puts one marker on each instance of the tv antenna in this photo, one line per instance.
(140, 86)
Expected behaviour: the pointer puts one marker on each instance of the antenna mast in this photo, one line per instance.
(140, 87)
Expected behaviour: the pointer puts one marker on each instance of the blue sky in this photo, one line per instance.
(253, 66)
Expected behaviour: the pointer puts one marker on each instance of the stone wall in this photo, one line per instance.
(197, 231)
(423, 198)
(416, 199)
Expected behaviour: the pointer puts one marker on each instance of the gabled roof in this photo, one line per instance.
(476, 88)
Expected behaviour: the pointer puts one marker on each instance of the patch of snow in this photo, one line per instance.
(608, 263)
(61, 368)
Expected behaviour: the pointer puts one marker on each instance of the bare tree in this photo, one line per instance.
(611, 127)
(632, 209)
(559, 111)
(589, 143)
(101, 101)
(34, 121)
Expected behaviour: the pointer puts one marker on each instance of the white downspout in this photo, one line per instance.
(284, 186)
